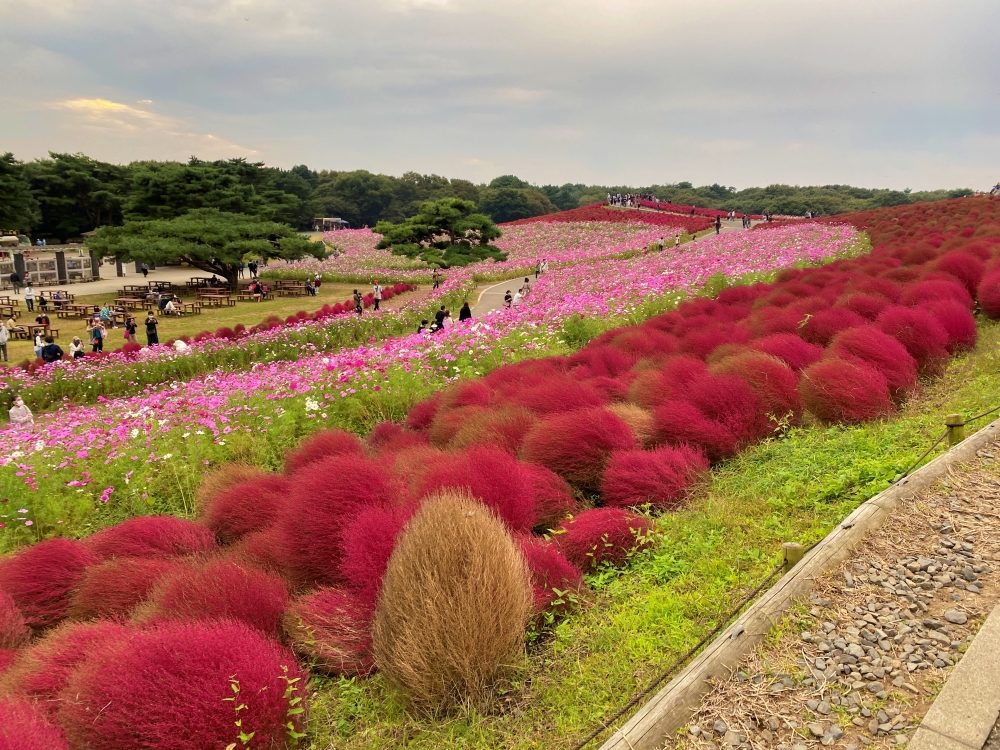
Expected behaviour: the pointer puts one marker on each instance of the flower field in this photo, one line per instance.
(685, 221)
(327, 555)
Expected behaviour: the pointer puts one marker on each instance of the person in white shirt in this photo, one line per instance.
(377, 292)
(29, 297)
(20, 415)
(4, 336)
(517, 298)
(76, 348)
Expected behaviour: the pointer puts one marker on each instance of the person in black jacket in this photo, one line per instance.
(465, 313)
(51, 352)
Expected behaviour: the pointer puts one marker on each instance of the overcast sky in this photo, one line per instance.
(878, 93)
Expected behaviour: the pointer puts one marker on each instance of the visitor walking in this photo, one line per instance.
(152, 339)
(20, 415)
(538, 269)
(97, 334)
(15, 281)
(377, 292)
(51, 352)
(252, 265)
(465, 313)
(4, 337)
(661, 244)
(437, 278)
(359, 306)
(145, 270)
(718, 224)
(76, 348)
(29, 297)
(317, 281)
(130, 327)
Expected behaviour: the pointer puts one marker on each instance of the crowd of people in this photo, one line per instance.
(630, 200)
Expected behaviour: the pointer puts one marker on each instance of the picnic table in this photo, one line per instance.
(297, 290)
(216, 300)
(34, 329)
(192, 307)
(8, 311)
(130, 303)
(64, 295)
(8, 300)
(128, 289)
(74, 311)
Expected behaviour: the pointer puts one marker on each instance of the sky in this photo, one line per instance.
(876, 93)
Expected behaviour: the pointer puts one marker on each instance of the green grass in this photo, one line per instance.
(705, 558)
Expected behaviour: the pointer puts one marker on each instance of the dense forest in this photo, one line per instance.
(65, 195)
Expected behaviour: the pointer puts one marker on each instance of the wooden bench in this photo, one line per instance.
(193, 307)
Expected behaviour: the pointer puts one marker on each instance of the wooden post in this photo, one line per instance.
(793, 554)
(956, 428)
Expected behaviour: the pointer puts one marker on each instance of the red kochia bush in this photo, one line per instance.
(659, 477)
(152, 536)
(332, 629)
(729, 400)
(553, 577)
(422, 413)
(922, 293)
(576, 444)
(601, 535)
(41, 671)
(14, 632)
(839, 391)
(24, 727)
(824, 325)
(368, 543)
(774, 382)
(924, 338)
(789, 348)
(966, 268)
(116, 587)
(868, 306)
(324, 498)
(219, 589)
(988, 294)
(700, 343)
(493, 477)
(165, 688)
(41, 579)
(558, 394)
(600, 360)
(869, 346)
(682, 423)
(553, 497)
(320, 445)
(246, 507)
(957, 321)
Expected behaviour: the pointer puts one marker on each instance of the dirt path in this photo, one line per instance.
(859, 664)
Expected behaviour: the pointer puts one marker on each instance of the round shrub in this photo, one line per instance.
(40, 579)
(988, 294)
(869, 346)
(835, 390)
(700, 343)
(774, 383)
(612, 389)
(384, 433)
(368, 544)
(877, 286)
(259, 549)
(472, 393)
(601, 360)
(790, 349)
(14, 632)
(557, 395)
(965, 267)
(491, 476)
(729, 400)
(823, 326)
(152, 536)
(601, 535)
(324, 498)
(7, 657)
(553, 497)
(680, 370)
(447, 423)
(422, 413)
(868, 306)
(576, 444)
(501, 427)
(923, 336)
(215, 590)
(455, 603)
(682, 423)
(221, 479)
(332, 630)
(649, 389)
(40, 671)
(658, 477)
(245, 508)
(640, 420)
(320, 445)
(116, 587)
(924, 292)
(959, 323)
(24, 727)
(642, 341)
(167, 688)
(554, 580)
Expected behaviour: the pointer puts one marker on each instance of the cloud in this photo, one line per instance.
(119, 120)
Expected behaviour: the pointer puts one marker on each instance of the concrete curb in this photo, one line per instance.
(963, 715)
(671, 708)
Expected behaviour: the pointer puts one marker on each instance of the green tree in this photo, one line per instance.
(211, 240)
(18, 208)
(508, 181)
(511, 203)
(165, 190)
(76, 194)
(444, 232)
(360, 197)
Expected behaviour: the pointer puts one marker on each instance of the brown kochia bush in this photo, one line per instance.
(222, 479)
(455, 603)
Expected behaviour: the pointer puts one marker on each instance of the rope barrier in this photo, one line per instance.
(606, 724)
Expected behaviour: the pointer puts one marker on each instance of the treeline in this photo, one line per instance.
(65, 195)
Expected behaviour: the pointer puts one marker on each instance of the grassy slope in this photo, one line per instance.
(638, 621)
